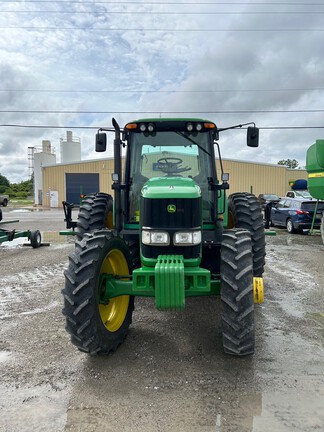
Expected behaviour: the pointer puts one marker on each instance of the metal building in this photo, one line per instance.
(68, 181)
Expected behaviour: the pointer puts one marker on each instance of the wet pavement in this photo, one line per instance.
(171, 373)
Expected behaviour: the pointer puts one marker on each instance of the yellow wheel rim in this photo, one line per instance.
(113, 314)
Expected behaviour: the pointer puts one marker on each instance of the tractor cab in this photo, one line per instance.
(177, 149)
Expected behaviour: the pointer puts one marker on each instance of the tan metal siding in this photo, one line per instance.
(259, 178)
(244, 177)
(54, 177)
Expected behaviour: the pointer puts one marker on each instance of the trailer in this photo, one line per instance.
(34, 237)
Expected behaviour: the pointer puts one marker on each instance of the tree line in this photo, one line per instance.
(22, 190)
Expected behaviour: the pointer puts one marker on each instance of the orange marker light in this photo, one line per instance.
(131, 126)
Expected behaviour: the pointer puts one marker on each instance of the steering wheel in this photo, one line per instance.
(171, 165)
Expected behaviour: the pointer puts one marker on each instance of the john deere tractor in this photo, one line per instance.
(170, 232)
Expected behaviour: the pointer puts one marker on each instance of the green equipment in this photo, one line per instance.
(6, 235)
(170, 232)
(315, 170)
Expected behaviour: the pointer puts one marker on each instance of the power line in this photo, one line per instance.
(161, 91)
(160, 112)
(218, 30)
(161, 13)
(98, 127)
(167, 3)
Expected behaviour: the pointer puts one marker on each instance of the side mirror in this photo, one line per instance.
(101, 142)
(252, 136)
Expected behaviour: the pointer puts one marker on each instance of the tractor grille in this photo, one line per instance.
(187, 215)
(154, 213)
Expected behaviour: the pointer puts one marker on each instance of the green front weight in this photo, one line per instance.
(170, 282)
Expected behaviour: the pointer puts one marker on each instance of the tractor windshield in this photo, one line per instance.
(174, 154)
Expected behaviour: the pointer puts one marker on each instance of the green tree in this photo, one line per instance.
(16, 190)
(289, 163)
(4, 183)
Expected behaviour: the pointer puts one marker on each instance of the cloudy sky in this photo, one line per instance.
(75, 64)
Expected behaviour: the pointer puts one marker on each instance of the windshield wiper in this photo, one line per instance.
(192, 141)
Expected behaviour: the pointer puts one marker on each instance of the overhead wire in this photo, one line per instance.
(160, 112)
(165, 3)
(172, 30)
(163, 13)
(162, 91)
(98, 127)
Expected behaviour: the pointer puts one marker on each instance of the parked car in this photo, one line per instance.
(4, 199)
(299, 194)
(296, 214)
(267, 198)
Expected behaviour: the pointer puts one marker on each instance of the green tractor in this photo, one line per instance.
(170, 232)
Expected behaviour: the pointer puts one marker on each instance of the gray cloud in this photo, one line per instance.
(227, 66)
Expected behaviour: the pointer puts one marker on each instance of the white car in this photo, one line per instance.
(299, 194)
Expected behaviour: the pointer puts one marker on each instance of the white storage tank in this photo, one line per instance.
(70, 148)
(40, 158)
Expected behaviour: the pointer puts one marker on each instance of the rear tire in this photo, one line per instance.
(97, 327)
(237, 293)
(35, 239)
(5, 202)
(290, 227)
(96, 212)
(245, 212)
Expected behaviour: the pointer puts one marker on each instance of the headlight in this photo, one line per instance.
(154, 238)
(189, 127)
(187, 238)
(142, 127)
(150, 127)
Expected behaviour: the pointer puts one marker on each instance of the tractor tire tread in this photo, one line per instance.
(246, 210)
(237, 293)
(80, 303)
(93, 213)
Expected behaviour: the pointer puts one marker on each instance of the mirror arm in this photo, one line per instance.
(236, 126)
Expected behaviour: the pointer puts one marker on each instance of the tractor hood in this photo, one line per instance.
(175, 187)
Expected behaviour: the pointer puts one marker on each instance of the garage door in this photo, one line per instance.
(78, 184)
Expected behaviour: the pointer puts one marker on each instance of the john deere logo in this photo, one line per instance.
(171, 208)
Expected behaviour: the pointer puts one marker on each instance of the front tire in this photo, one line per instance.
(236, 271)
(95, 326)
(244, 211)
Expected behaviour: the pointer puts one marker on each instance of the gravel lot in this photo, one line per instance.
(170, 374)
